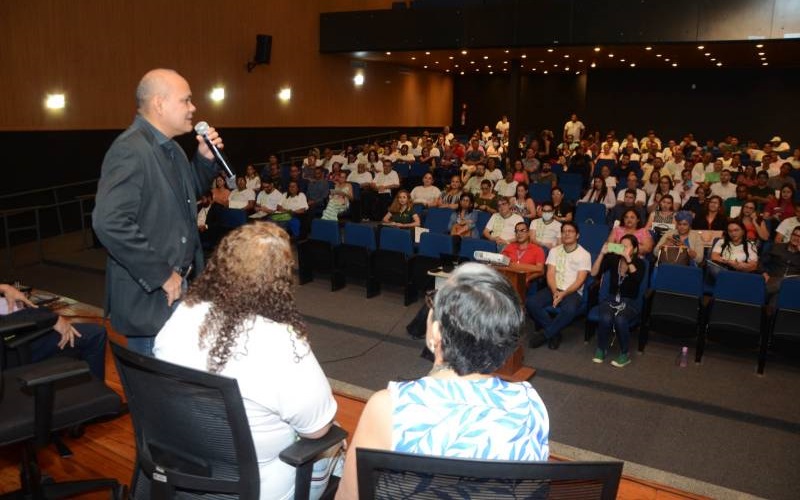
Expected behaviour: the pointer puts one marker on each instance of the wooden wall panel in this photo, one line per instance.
(95, 51)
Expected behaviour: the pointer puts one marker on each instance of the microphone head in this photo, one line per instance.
(201, 128)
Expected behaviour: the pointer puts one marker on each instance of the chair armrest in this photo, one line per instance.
(14, 340)
(51, 370)
(304, 450)
(10, 325)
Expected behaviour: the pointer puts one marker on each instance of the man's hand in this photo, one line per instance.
(558, 296)
(67, 331)
(215, 139)
(13, 295)
(172, 287)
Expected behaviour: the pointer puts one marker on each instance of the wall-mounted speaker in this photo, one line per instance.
(263, 51)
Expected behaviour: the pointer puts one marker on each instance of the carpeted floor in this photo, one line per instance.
(717, 422)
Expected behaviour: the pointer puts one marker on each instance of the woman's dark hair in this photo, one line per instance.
(249, 275)
(601, 196)
(790, 188)
(664, 197)
(634, 212)
(634, 243)
(395, 207)
(726, 239)
(480, 319)
(471, 202)
(669, 179)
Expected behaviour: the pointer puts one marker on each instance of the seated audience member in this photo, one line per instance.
(360, 175)
(333, 173)
(374, 163)
(271, 169)
(242, 197)
(662, 219)
(472, 179)
(724, 188)
(747, 177)
(377, 197)
(783, 262)
(310, 163)
(755, 227)
(295, 175)
(267, 200)
(493, 173)
(684, 239)
(784, 177)
(600, 193)
(761, 193)
(220, 194)
(486, 134)
(405, 155)
(317, 192)
(239, 320)
(339, 198)
(450, 197)
(608, 179)
(486, 199)
(701, 167)
(697, 203)
(568, 265)
(628, 202)
(507, 186)
(530, 163)
(782, 208)
(665, 187)
(685, 188)
(795, 159)
(730, 205)
(494, 419)
(464, 220)
(788, 224)
(85, 341)
(606, 154)
(524, 255)
(500, 227)
(626, 272)
(294, 205)
(428, 156)
(546, 230)
(779, 145)
(518, 170)
(632, 224)
(473, 156)
(252, 179)
(581, 163)
(564, 210)
(401, 212)
(522, 203)
(733, 251)
(651, 184)
(427, 194)
(544, 175)
(710, 217)
(632, 183)
(624, 168)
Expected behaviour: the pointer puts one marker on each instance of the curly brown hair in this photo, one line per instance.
(249, 275)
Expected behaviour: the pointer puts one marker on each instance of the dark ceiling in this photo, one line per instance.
(562, 59)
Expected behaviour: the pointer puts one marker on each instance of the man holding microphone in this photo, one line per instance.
(145, 211)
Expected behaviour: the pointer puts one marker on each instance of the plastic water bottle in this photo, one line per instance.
(683, 357)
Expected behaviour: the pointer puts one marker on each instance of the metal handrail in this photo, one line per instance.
(343, 142)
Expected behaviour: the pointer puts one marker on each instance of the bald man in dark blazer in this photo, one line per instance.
(145, 211)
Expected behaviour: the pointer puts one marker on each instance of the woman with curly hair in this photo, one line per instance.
(239, 319)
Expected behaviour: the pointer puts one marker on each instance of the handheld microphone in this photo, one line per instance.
(202, 130)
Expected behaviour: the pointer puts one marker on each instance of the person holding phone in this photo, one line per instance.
(681, 238)
(626, 271)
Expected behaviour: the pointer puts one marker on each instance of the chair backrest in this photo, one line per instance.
(360, 235)
(742, 288)
(607, 162)
(356, 190)
(325, 230)
(470, 245)
(397, 240)
(483, 219)
(592, 237)
(232, 218)
(419, 169)
(789, 294)
(385, 474)
(687, 280)
(438, 219)
(540, 192)
(590, 213)
(402, 169)
(435, 244)
(190, 427)
(569, 179)
(572, 192)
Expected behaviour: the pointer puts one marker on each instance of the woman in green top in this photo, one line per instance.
(486, 199)
(401, 212)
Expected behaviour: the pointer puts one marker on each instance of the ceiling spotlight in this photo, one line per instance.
(541, 61)
(456, 65)
(488, 65)
(566, 56)
(633, 65)
(427, 53)
(505, 69)
(451, 58)
(477, 69)
(413, 58)
(485, 57)
(217, 94)
(505, 62)
(763, 58)
(55, 101)
(713, 58)
(533, 69)
(763, 64)
(566, 68)
(425, 67)
(597, 49)
(674, 65)
(594, 65)
(707, 54)
(719, 64)
(577, 72)
(555, 65)
(462, 73)
(388, 53)
(760, 45)
(549, 50)
(447, 71)
(761, 53)
(472, 62)
(622, 60)
(658, 55)
(285, 94)
(435, 62)
(506, 51)
(463, 52)
(545, 72)
(648, 48)
(700, 47)
(611, 55)
(358, 80)
(580, 60)
(491, 72)
(666, 59)
(524, 56)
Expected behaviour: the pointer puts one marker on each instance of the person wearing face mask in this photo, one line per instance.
(546, 230)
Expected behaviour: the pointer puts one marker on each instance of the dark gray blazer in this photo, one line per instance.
(145, 215)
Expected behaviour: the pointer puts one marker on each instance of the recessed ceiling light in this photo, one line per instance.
(577, 72)
(580, 60)
(489, 66)
(388, 53)
(648, 48)
(285, 94)
(427, 53)
(521, 65)
(594, 65)
(763, 64)
(55, 101)
(425, 67)
(456, 65)
(666, 59)
(622, 60)
(477, 69)
(719, 64)
(447, 71)
(463, 52)
(707, 54)
(761, 53)
(658, 55)
(713, 58)
(674, 65)
(505, 69)
(700, 47)
(541, 61)
(485, 57)
(566, 68)
(505, 62)
(597, 49)
(462, 72)
(610, 55)
(506, 51)
(555, 65)
(760, 45)
(545, 72)
(763, 58)
(413, 58)
(451, 58)
(524, 56)
(491, 72)
(633, 65)
(533, 69)
(472, 62)
(566, 56)
(549, 50)
(218, 94)
(435, 62)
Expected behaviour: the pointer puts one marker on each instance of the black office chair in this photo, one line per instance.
(193, 439)
(39, 399)
(392, 475)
